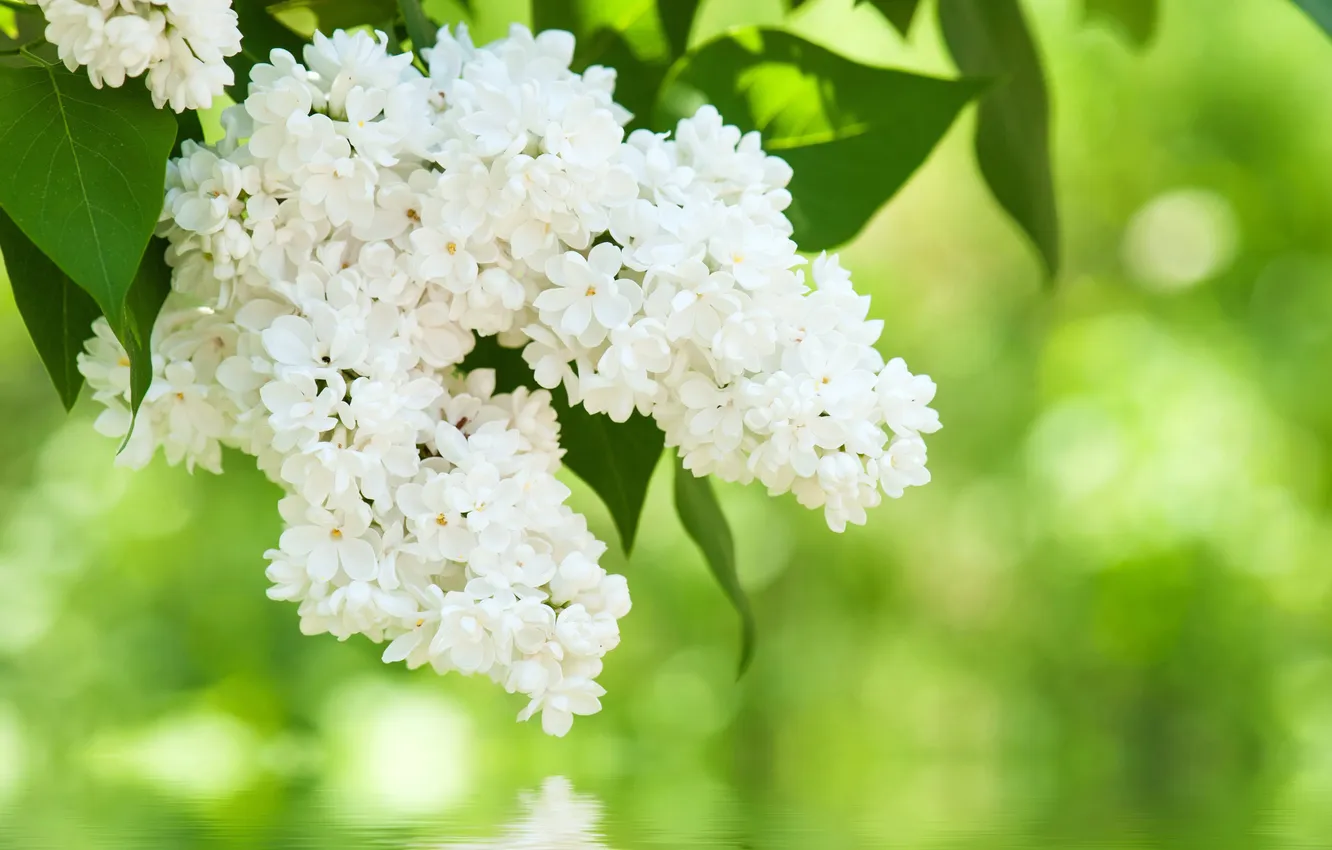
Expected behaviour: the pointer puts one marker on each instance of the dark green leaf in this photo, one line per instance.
(898, 12)
(261, 34)
(555, 15)
(152, 284)
(704, 522)
(677, 19)
(419, 28)
(990, 38)
(852, 133)
(1320, 11)
(58, 314)
(616, 459)
(187, 128)
(82, 175)
(1135, 17)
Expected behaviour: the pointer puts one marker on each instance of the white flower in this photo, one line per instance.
(333, 540)
(587, 301)
(463, 636)
(561, 701)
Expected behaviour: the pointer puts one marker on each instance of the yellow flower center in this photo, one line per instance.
(440, 519)
(452, 248)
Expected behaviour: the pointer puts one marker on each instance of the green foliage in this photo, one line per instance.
(152, 284)
(83, 182)
(853, 133)
(57, 313)
(1135, 17)
(340, 14)
(677, 19)
(419, 28)
(1319, 10)
(616, 459)
(706, 525)
(19, 25)
(898, 12)
(262, 33)
(990, 38)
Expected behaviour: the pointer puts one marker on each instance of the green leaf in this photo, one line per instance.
(419, 28)
(852, 133)
(341, 14)
(615, 459)
(1320, 11)
(262, 33)
(677, 19)
(1135, 17)
(898, 12)
(704, 522)
(152, 284)
(990, 38)
(83, 174)
(57, 313)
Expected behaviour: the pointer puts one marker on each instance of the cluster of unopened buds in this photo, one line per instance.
(335, 258)
(182, 45)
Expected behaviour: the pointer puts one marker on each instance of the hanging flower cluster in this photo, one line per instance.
(335, 258)
(182, 45)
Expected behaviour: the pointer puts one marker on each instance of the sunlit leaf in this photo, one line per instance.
(57, 313)
(1137, 18)
(853, 133)
(704, 522)
(990, 38)
(616, 459)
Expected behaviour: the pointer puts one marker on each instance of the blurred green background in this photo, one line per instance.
(1106, 623)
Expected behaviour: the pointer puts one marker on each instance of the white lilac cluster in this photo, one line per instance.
(336, 256)
(182, 45)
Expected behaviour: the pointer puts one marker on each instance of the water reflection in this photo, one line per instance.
(553, 818)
